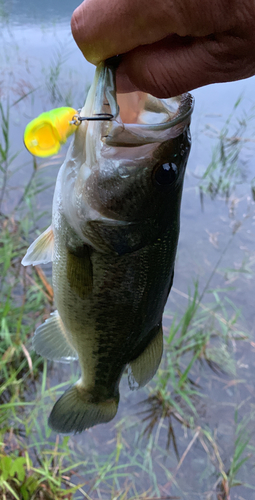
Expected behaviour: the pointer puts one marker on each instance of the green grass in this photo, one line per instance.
(225, 170)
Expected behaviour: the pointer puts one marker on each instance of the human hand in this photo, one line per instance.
(169, 46)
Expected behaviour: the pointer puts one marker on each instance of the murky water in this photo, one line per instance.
(40, 58)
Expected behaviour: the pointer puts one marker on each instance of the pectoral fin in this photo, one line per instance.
(41, 250)
(50, 340)
(145, 366)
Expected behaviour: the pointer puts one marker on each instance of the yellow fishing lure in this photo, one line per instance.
(45, 134)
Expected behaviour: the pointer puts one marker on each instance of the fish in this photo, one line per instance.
(45, 135)
(112, 243)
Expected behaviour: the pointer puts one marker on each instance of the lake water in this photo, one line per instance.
(39, 57)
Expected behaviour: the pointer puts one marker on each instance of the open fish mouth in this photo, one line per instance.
(152, 113)
(136, 118)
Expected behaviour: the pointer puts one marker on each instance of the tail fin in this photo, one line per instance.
(78, 409)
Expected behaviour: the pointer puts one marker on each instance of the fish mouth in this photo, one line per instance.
(137, 118)
(152, 113)
(144, 119)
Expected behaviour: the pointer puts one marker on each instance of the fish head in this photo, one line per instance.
(131, 168)
(141, 172)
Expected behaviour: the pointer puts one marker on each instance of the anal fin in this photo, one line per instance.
(50, 340)
(145, 366)
(41, 250)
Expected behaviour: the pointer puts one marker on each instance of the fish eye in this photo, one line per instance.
(165, 174)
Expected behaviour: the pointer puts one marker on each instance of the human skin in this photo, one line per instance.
(169, 47)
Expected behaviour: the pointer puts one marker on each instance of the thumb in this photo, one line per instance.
(179, 64)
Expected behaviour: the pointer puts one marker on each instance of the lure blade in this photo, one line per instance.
(45, 134)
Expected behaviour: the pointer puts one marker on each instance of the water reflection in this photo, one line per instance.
(20, 13)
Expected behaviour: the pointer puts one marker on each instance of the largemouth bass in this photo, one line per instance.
(112, 242)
